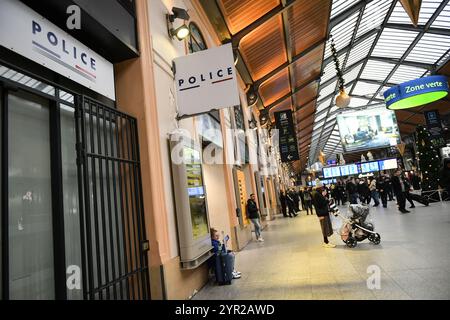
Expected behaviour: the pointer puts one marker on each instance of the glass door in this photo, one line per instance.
(30, 231)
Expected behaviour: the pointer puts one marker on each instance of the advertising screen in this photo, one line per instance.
(369, 166)
(368, 129)
(388, 164)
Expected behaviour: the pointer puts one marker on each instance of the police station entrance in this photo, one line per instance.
(72, 224)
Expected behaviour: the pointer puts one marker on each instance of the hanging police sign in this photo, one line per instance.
(206, 80)
(25, 32)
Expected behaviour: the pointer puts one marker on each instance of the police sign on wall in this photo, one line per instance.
(25, 32)
(206, 80)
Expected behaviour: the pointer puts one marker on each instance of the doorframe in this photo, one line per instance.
(55, 102)
(59, 262)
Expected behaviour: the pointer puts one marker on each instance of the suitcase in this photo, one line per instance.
(224, 268)
(420, 199)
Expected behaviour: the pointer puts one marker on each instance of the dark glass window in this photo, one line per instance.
(196, 41)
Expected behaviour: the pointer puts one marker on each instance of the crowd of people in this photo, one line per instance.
(377, 190)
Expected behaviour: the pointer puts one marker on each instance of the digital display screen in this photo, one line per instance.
(196, 192)
(369, 166)
(368, 129)
(335, 172)
(327, 173)
(388, 164)
(349, 169)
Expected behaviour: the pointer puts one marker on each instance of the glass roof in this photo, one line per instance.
(378, 47)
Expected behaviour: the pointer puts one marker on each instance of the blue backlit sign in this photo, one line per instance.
(416, 92)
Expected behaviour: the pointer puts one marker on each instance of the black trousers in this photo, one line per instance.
(401, 200)
(308, 206)
(283, 210)
(384, 198)
(408, 197)
(292, 212)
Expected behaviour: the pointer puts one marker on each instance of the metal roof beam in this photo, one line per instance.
(422, 29)
(364, 37)
(427, 66)
(348, 12)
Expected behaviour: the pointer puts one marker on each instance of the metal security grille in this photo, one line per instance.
(113, 240)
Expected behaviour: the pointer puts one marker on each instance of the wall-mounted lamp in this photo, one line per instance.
(181, 32)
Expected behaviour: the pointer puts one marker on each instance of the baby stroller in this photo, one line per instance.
(357, 226)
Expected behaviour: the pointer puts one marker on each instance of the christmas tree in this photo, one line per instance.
(429, 163)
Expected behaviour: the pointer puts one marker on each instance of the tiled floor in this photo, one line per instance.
(413, 260)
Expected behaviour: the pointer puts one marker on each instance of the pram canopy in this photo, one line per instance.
(359, 212)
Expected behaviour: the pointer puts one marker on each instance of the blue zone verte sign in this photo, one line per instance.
(416, 92)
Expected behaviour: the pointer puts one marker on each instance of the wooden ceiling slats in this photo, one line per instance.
(275, 88)
(241, 13)
(264, 49)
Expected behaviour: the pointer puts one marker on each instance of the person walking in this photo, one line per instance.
(283, 203)
(374, 191)
(291, 205)
(319, 198)
(364, 191)
(389, 187)
(295, 197)
(253, 215)
(352, 191)
(308, 201)
(302, 200)
(399, 190)
(407, 190)
(340, 194)
(382, 190)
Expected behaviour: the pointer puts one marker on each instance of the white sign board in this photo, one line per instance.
(25, 32)
(206, 80)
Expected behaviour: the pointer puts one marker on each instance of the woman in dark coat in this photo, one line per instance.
(283, 203)
(320, 203)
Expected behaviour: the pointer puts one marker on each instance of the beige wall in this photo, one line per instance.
(146, 90)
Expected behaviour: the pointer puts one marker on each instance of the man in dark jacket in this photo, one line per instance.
(383, 192)
(290, 204)
(283, 203)
(389, 187)
(253, 215)
(352, 191)
(295, 197)
(320, 202)
(399, 190)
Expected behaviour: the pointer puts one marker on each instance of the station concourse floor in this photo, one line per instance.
(413, 257)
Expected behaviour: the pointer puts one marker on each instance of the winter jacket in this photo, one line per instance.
(252, 209)
(320, 204)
